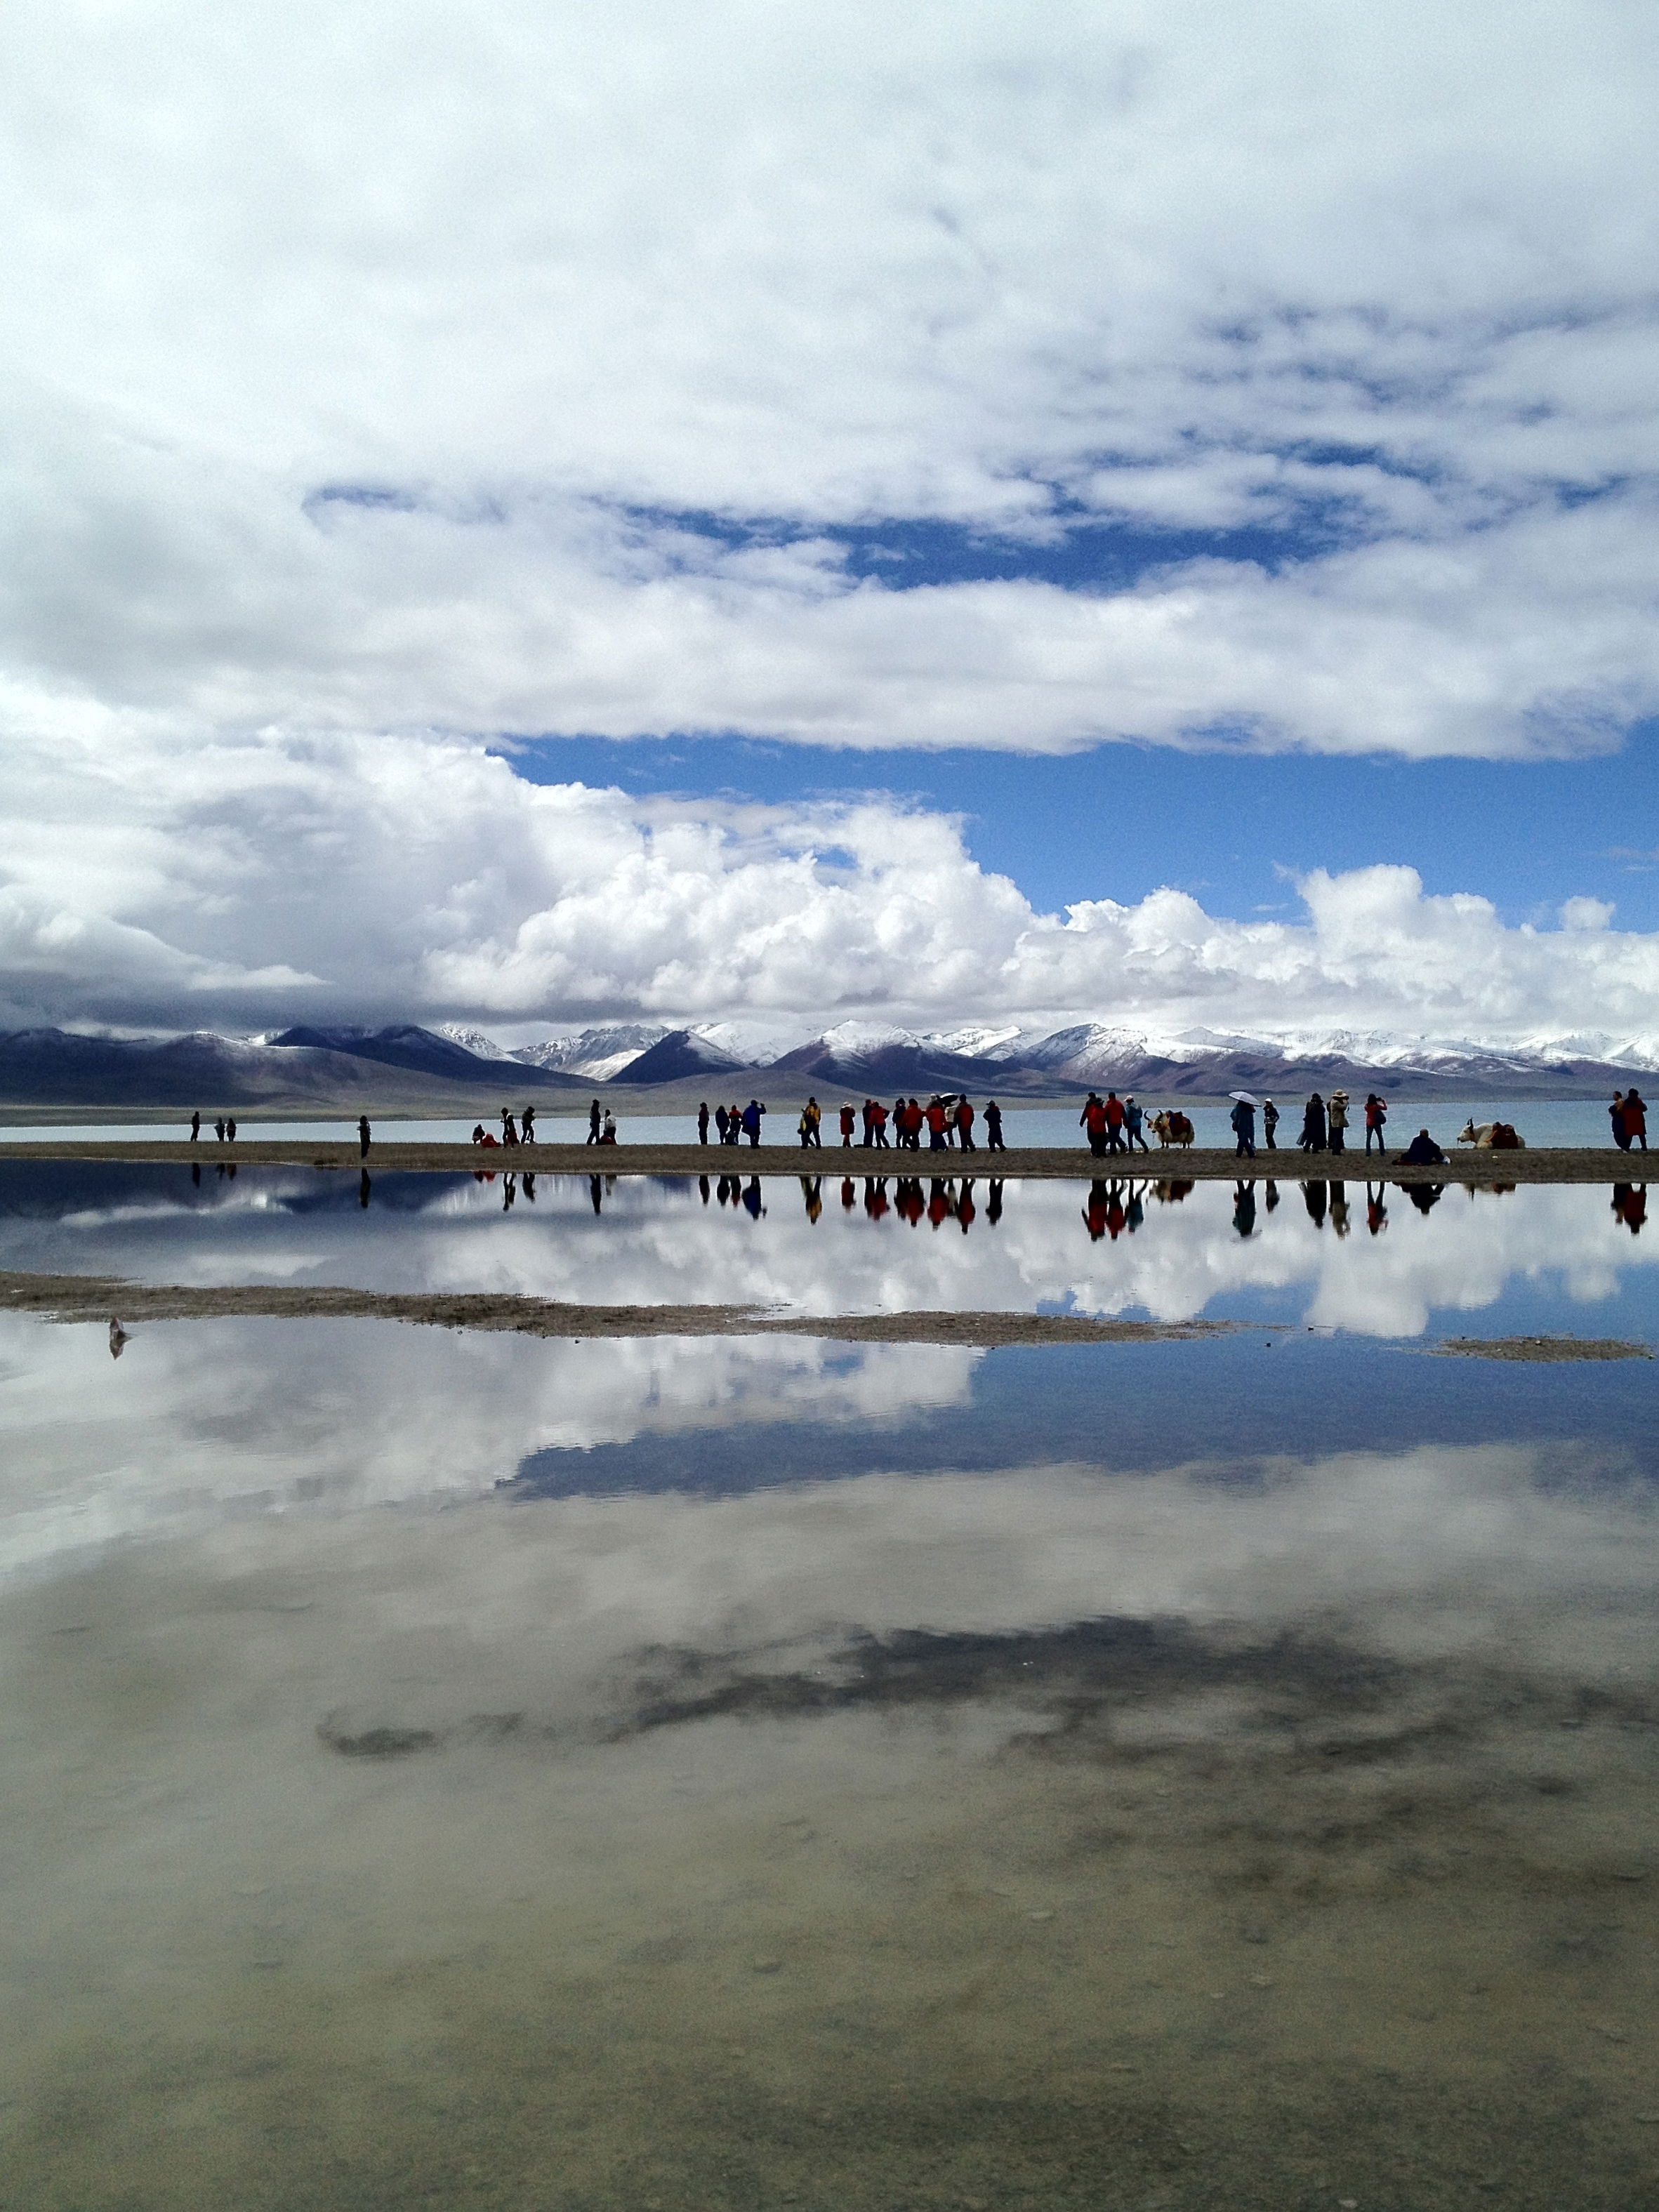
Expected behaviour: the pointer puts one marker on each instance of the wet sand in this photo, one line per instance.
(1559, 1164)
(95, 1298)
(1547, 1349)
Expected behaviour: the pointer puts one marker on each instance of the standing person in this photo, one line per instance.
(813, 1118)
(936, 1140)
(509, 1127)
(965, 1126)
(527, 1135)
(720, 1123)
(362, 1136)
(752, 1122)
(702, 1121)
(1243, 1118)
(878, 1125)
(1313, 1124)
(230, 1130)
(869, 1116)
(608, 1129)
(195, 1126)
(993, 1127)
(1133, 1116)
(1093, 1118)
(594, 1120)
(1376, 1114)
(219, 1130)
(1114, 1124)
(1269, 1123)
(1636, 1120)
(1616, 1115)
(1337, 1120)
(848, 1120)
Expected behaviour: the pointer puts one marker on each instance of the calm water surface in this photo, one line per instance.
(475, 1771)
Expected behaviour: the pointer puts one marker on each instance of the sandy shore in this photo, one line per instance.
(96, 1297)
(1545, 1163)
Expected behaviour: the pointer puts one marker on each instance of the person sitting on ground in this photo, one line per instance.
(477, 1132)
(1505, 1138)
(608, 1129)
(1423, 1151)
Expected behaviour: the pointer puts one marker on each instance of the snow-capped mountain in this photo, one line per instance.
(599, 1054)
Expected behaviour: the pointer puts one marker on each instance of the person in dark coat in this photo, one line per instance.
(993, 1127)
(195, 1126)
(1636, 1120)
(594, 1118)
(1269, 1124)
(1616, 1115)
(1313, 1124)
(527, 1127)
(1423, 1152)
(362, 1136)
(703, 1122)
(1243, 1118)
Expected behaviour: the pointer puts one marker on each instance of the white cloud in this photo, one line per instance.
(273, 879)
(535, 279)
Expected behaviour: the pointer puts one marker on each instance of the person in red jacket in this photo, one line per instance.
(848, 1120)
(1114, 1122)
(1093, 1118)
(878, 1125)
(936, 1126)
(965, 1126)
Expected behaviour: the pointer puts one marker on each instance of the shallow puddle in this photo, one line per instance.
(476, 1771)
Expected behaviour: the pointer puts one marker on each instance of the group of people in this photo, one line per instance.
(1113, 1124)
(733, 1123)
(521, 1131)
(224, 1129)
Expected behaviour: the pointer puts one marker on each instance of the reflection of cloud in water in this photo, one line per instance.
(657, 1244)
(268, 1415)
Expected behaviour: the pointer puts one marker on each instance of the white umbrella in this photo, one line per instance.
(1245, 1097)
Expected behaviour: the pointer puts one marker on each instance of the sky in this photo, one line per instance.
(1116, 512)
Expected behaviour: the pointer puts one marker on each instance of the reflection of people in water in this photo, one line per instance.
(939, 1207)
(702, 1188)
(1630, 1206)
(196, 1173)
(1244, 1208)
(993, 1204)
(967, 1211)
(907, 1201)
(1270, 1197)
(1134, 1214)
(875, 1199)
(1094, 1213)
(1376, 1214)
(509, 1192)
(1425, 1196)
(596, 1193)
(813, 1196)
(363, 1186)
(751, 1199)
(1315, 1197)
(530, 1186)
(849, 1196)
(1340, 1208)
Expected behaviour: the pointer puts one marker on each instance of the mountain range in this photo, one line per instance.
(403, 1067)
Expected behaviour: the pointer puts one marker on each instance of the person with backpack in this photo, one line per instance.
(752, 1122)
(1376, 1115)
(811, 1115)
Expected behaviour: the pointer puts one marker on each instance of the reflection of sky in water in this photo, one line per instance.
(1345, 1256)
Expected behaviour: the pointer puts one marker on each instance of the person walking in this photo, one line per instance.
(362, 1136)
(1269, 1124)
(965, 1126)
(527, 1136)
(1243, 1118)
(848, 1122)
(1093, 1118)
(1336, 1121)
(195, 1126)
(593, 1122)
(1115, 1118)
(1636, 1120)
(1313, 1124)
(878, 1126)
(993, 1127)
(1133, 1117)
(1376, 1115)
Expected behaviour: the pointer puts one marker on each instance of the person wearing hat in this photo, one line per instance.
(1336, 1120)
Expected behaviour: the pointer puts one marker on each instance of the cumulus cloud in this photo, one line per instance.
(149, 877)
(539, 371)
